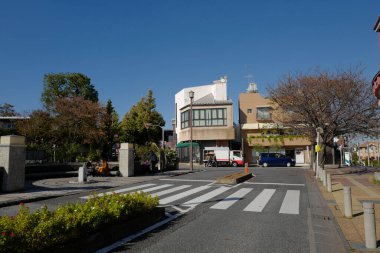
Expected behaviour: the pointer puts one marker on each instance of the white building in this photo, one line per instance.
(212, 118)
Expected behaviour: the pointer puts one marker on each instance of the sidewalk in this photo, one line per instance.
(361, 190)
(40, 189)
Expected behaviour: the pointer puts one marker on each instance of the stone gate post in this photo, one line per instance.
(126, 160)
(12, 160)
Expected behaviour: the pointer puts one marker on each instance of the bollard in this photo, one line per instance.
(324, 177)
(347, 201)
(329, 186)
(369, 225)
(82, 175)
(321, 174)
(316, 171)
(246, 168)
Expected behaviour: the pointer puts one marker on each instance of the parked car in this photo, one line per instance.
(275, 159)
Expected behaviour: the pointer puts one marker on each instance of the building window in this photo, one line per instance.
(263, 113)
(249, 111)
(176, 123)
(184, 119)
(205, 117)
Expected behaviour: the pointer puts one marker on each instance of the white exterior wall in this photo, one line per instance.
(218, 89)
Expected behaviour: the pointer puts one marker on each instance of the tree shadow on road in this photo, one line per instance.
(357, 214)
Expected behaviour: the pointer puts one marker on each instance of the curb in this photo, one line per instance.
(234, 178)
(40, 198)
(338, 229)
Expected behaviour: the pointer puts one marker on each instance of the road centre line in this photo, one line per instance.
(187, 180)
(285, 184)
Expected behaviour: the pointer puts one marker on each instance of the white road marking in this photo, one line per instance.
(138, 234)
(285, 184)
(120, 190)
(205, 197)
(178, 188)
(232, 199)
(291, 202)
(182, 195)
(187, 180)
(258, 204)
(157, 188)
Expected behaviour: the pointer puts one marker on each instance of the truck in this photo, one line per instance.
(223, 156)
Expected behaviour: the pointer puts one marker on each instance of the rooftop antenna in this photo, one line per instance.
(252, 87)
(249, 78)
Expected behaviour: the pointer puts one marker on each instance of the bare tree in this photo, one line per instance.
(340, 103)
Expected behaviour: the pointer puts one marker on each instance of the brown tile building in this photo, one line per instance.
(261, 133)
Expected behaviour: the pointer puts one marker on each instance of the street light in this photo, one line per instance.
(191, 96)
(147, 125)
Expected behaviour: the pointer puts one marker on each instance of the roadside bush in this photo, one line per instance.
(44, 229)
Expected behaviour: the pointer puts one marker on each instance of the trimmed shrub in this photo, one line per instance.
(44, 229)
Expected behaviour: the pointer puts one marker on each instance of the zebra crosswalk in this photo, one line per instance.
(258, 204)
(232, 199)
(191, 196)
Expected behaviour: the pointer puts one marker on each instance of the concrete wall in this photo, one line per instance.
(250, 101)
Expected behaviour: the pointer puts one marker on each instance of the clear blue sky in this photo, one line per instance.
(128, 47)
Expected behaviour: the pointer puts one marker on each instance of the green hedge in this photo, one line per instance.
(44, 229)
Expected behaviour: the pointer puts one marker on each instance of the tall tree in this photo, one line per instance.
(76, 123)
(109, 127)
(340, 103)
(133, 128)
(7, 110)
(37, 130)
(67, 85)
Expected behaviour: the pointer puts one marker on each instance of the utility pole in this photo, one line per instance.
(191, 96)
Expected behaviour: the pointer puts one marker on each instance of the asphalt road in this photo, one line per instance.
(279, 210)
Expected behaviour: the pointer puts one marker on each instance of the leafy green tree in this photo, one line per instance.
(109, 127)
(133, 128)
(7, 110)
(66, 85)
